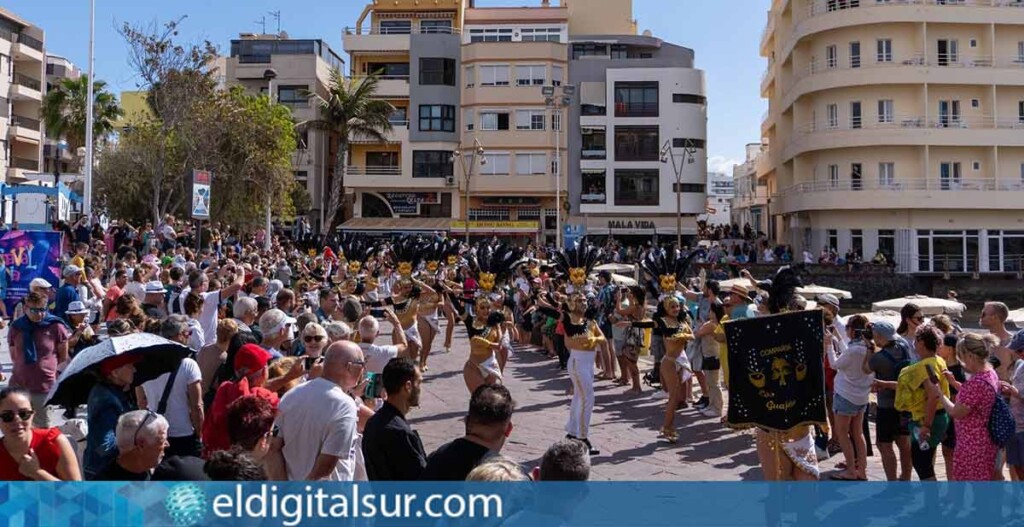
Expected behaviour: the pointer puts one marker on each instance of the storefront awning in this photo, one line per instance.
(396, 224)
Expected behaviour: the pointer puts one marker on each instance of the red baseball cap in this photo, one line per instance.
(108, 365)
(251, 358)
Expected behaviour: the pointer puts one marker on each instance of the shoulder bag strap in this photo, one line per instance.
(161, 407)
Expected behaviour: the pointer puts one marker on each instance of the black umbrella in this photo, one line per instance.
(157, 356)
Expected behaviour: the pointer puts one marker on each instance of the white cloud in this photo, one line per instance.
(722, 164)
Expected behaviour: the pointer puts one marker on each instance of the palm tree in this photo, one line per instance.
(349, 109)
(65, 109)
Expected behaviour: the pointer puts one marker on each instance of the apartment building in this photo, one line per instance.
(410, 181)
(57, 69)
(751, 194)
(22, 69)
(640, 119)
(897, 126)
(289, 69)
(721, 190)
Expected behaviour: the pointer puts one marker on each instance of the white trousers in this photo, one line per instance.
(581, 373)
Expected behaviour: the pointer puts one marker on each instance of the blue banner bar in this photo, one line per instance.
(187, 504)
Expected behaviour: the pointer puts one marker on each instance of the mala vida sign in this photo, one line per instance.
(632, 224)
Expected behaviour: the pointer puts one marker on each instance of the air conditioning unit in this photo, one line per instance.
(449, 180)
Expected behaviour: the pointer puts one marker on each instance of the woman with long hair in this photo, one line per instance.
(28, 453)
(709, 335)
(911, 318)
(632, 308)
(851, 394)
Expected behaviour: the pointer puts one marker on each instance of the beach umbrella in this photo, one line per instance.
(157, 356)
(1017, 317)
(620, 268)
(929, 306)
(892, 317)
(814, 291)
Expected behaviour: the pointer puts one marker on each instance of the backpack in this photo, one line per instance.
(898, 364)
(1001, 425)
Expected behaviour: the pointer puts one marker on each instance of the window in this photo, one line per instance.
(556, 121)
(388, 70)
(1006, 251)
(636, 143)
(436, 26)
(685, 142)
(432, 163)
(948, 51)
(887, 243)
(300, 175)
(493, 120)
(690, 188)
(497, 164)
(975, 103)
(885, 114)
(437, 118)
(395, 27)
(833, 176)
(435, 71)
(833, 116)
(470, 76)
(856, 176)
(949, 176)
(857, 241)
(886, 174)
(594, 143)
(531, 164)
(293, 95)
(544, 34)
(494, 75)
(1020, 111)
(1022, 173)
(399, 117)
(884, 50)
(531, 75)
(1020, 52)
(947, 251)
(855, 115)
(490, 35)
(833, 239)
(854, 54)
(636, 99)
(593, 191)
(686, 98)
(589, 50)
(530, 120)
(381, 159)
(976, 166)
(636, 188)
(831, 57)
(468, 118)
(556, 75)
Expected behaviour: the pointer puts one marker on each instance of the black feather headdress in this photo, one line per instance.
(407, 253)
(576, 264)
(665, 270)
(783, 288)
(450, 250)
(354, 248)
(493, 265)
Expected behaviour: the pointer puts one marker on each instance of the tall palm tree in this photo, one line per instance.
(65, 109)
(350, 108)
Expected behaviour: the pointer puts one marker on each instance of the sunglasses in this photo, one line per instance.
(37, 310)
(313, 338)
(918, 319)
(23, 415)
(150, 415)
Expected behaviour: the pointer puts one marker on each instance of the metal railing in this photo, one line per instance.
(31, 42)
(381, 77)
(374, 171)
(642, 109)
(414, 30)
(24, 164)
(25, 122)
(875, 122)
(821, 7)
(28, 82)
(899, 184)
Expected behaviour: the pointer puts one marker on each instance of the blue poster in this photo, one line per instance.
(25, 256)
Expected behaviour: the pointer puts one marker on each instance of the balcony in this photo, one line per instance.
(399, 134)
(25, 88)
(364, 40)
(908, 130)
(645, 109)
(26, 48)
(923, 193)
(374, 171)
(389, 86)
(25, 128)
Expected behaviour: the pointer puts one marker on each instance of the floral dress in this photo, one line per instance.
(974, 457)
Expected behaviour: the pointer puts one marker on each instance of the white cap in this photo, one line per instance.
(39, 283)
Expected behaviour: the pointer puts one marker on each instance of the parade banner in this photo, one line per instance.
(27, 255)
(776, 375)
(201, 194)
(527, 504)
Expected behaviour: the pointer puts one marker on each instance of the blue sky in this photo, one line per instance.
(724, 34)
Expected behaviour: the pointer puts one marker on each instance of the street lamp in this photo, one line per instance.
(476, 156)
(269, 75)
(558, 103)
(687, 157)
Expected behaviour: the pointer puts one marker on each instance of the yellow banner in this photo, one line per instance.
(495, 225)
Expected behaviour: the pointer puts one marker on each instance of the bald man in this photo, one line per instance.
(318, 422)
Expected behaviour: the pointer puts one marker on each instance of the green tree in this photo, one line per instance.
(65, 109)
(350, 108)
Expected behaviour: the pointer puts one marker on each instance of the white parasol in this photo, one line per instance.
(814, 291)
(929, 306)
(1017, 317)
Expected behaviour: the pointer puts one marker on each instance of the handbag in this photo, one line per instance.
(1001, 425)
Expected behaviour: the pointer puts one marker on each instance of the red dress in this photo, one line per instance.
(44, 442)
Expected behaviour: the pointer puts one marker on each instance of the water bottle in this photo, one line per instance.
(923, 445)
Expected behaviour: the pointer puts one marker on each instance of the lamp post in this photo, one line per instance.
(476, 156)
(269, 75)
(558, 103)
(90, 105)
(689, 151)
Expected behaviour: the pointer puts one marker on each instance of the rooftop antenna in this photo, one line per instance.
(262, 22)
(276, 15)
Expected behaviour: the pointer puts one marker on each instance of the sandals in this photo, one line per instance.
(668, 435)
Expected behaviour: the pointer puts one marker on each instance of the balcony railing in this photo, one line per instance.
(646, 109)
(24, 164)
(594, 153)
(821, 7)
(28, 82)
(374, 171)
(33, 43)
(381, 77)
(899, 184)
(872, 122)
(414, 30)
(25, 122)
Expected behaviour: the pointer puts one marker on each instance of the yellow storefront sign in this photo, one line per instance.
(458, 225)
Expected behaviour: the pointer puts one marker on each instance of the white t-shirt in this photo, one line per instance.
(377, 356)
(208, 316)
(198, 338)
(177, 414)
(137, 290)
(318, 417)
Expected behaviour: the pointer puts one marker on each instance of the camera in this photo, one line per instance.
(862, 333)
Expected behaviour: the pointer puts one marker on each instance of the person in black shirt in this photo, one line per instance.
(392, 450)
(488, 425)
(141, 437)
